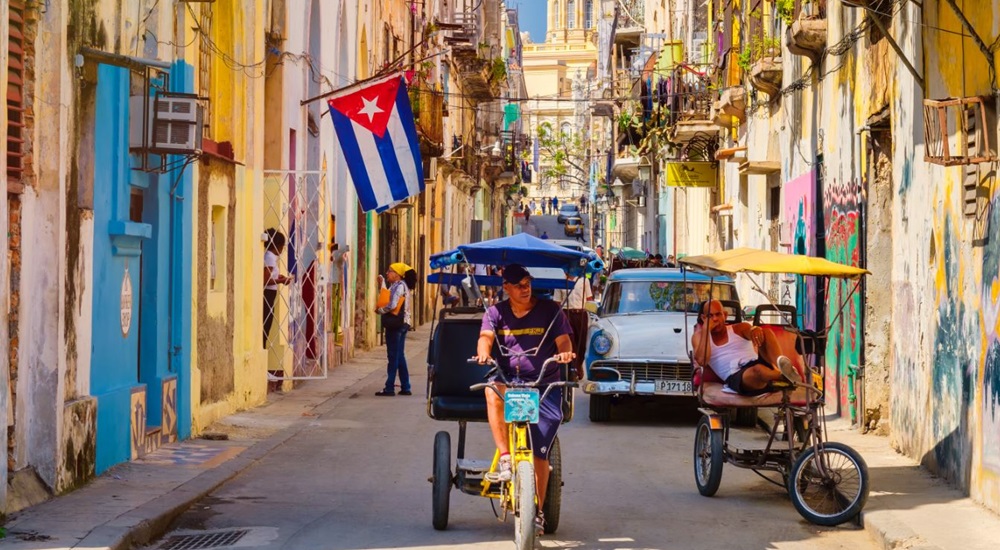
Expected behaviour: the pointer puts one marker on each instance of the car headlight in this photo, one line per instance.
(600, 343)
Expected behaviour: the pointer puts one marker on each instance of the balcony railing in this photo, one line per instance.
(631, 14)
(429, 111)
(690, 93)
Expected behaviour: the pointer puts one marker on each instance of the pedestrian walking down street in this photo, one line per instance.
(555, 204)
(545, 206)
(397, 318)
(532, 206)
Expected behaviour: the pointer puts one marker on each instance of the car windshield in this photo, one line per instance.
(576, 221)
(569, 208)
(654, 296)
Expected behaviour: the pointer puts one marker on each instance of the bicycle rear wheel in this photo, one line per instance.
(828, 484)
(524, 515)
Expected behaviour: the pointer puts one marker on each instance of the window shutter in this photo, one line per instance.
(15, 92)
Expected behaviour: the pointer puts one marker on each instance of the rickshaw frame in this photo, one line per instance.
(797, 418)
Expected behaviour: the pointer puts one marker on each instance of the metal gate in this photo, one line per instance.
(297, 335)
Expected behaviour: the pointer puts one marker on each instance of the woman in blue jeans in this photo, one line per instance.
(397, 318)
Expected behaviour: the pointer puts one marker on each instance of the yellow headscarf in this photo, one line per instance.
(400, 268)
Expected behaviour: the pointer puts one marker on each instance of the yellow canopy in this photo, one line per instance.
(752, 260)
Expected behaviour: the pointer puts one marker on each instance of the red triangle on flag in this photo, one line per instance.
(370, 106)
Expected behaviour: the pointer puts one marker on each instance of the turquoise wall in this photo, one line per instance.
(156, 255)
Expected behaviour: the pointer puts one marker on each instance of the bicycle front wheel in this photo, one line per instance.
(828, 484)
(524, 515)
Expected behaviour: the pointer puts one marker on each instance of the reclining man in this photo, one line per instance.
(732, 352)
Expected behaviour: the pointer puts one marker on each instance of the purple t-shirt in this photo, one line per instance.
(520, 335)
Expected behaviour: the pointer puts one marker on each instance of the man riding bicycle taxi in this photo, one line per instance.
(531, 330)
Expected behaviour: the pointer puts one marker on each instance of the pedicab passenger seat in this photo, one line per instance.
(710, 386)
(448, 371)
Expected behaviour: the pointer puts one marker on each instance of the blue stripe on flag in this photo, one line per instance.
(394, 175)
(355, 164)
(409, 125)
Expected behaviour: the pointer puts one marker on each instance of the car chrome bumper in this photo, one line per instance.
(618, 387)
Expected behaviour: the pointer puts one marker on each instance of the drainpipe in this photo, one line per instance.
(858, 403)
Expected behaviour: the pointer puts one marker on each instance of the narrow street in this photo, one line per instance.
(356, 477)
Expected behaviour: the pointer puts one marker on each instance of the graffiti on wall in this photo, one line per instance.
(991, 328)
(954, 365)
(842, 215)
(798, 229)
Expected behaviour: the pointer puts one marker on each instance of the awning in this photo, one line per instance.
(752, 260)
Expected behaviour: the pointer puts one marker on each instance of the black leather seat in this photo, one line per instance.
(450, 374)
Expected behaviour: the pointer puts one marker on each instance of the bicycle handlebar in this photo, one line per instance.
(503, 378)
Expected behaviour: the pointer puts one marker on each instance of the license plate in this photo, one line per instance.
(521, 406)
(672, 386)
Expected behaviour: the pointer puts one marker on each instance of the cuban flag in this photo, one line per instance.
(378, 138)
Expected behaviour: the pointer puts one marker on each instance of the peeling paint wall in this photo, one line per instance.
(945, 324)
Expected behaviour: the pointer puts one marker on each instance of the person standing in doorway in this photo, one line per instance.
(397, 318)
(274, 245)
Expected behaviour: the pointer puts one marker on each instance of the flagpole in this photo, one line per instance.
(380, 75)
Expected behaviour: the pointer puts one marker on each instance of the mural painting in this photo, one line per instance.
(842, 214)
(798, 229)
(991, 328)
(954, 365)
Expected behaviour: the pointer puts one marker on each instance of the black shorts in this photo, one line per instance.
(735, 380)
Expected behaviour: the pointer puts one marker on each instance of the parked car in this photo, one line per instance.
(572, 244)
(566, 211)
(574, 226)
(637, 341)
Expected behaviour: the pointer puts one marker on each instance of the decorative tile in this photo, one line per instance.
(192, 454)
(168, 426)
(137, 421)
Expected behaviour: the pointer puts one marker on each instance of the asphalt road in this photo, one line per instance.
(357, 477)
(539, 224)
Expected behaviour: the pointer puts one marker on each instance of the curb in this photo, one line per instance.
(893, 534)
(147, 523)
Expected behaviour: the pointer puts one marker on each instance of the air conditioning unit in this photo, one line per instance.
(174, 123)
(430, 170)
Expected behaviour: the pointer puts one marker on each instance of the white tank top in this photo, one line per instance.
(729, 357)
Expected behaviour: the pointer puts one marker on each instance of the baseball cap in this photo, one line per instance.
(515, 273)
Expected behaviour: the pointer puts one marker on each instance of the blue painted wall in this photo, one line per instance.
(114, 356)
(158, 247)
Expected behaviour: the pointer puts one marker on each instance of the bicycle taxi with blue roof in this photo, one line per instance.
(456, 386)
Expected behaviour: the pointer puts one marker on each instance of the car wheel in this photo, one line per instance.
(600, 408)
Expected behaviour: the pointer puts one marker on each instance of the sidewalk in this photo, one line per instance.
(909, 508)
(134, 503)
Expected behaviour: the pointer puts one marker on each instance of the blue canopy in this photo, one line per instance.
(524, 249)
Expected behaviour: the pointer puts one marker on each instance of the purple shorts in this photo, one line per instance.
(549, 418)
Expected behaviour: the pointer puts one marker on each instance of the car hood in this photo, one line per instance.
(648, 336)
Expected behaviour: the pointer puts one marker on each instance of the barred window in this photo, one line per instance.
(205, 46)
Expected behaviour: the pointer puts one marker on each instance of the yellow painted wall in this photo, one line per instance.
(236, 115)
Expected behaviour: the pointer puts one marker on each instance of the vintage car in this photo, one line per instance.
(637, 341)
(574, 226)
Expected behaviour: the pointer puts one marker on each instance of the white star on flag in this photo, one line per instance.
(370, 108)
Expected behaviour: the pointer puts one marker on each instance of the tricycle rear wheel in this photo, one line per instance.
(708, 458)
(831, 492)
(553, 493)
(441, 480)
